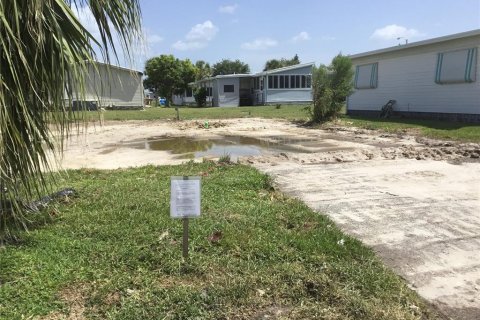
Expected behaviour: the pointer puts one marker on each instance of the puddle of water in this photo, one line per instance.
(235, 146)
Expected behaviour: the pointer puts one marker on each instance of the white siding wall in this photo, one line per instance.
(182, 99)
(289, 95)
(189, 100)
(228, 99)
(408, 76)
(115, 86)
(177, 100)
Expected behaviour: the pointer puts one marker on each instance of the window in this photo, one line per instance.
(456, 66)
(290, 81)
(256, 84)
(366, 76)
(273, 82)
(209, 91)
(189, 92)
(228, 88)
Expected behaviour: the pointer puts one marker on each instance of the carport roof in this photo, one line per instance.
(295, 66)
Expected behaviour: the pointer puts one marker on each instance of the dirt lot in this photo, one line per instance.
(414, 201)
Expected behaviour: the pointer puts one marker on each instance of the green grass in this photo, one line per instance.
(114, 253)
(290, 112)
(448, 130)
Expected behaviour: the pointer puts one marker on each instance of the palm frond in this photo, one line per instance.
(44, 55)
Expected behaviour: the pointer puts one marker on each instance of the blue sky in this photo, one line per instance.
(255, 31)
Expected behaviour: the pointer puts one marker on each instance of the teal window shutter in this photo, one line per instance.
(366, 76)
(439, 68)
(471, 65)
(458, 66)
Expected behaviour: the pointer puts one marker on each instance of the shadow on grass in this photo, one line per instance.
(36, 215)
(406, 122)
(17, 236)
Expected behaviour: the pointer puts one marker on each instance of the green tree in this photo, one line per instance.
(163, 75)
(45, 53)
(188, 72)
(272, 64)
(200, 95)
(167, 75)
(230, 67)
(275, 63)
(294, 60)
(203, 70)
(331, 87)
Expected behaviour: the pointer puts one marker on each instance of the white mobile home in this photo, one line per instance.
(437, 78)
(113, 87)
(291, 84)
(185, 99)
(286, 85)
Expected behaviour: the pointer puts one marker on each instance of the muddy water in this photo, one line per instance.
(234, 146)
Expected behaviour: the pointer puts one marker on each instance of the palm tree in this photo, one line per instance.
(44, 55)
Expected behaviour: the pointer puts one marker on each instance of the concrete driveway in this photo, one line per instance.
(421, 217)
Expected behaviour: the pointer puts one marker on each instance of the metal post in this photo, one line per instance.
(185, 238)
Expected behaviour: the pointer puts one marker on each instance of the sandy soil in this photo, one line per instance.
(416, 202)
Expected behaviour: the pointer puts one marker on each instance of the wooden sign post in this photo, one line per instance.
(185, 203)
(185, 238)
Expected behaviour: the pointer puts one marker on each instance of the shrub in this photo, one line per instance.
(331, 87)
(225, 159)
(200, 96)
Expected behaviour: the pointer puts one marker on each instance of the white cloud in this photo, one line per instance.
(198, 37)
(202, 31)
(394, 31)
(188, 45)
(150, 42)
(154, 38)
(302, 36)
(228, 9)
(260, 44)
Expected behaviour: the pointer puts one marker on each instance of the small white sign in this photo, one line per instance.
(184, 197)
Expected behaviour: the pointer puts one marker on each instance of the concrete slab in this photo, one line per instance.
(421, 217)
